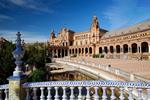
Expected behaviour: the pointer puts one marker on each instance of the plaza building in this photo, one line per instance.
(132, 42)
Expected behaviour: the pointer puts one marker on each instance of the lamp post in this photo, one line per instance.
(18, 54)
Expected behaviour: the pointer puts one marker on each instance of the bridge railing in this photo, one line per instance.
(89, 90)
(4, 92)
(111, 69)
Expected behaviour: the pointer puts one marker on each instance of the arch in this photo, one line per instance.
(69, 51)
(66, 52)
(72, 51)
(82, 50)
(76, 51)
(90, 50)
(100, 50)
(86, 50)
(125, 48)
(105, 50)
(111, 49)
(62, 53)
(59, 53)
(79, 50)
(117, 48)
(134, 47)
(144, 47)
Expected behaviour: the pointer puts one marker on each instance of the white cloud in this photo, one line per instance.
(33, 5)
(28, 37)
(5, 17)
(18, 2)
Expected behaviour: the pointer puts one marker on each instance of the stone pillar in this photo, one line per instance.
(16, 92)
(57, 53)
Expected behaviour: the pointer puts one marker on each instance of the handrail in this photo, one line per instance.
(87, 83)
(5, 86)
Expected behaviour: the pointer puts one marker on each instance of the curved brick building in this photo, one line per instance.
(132, 42)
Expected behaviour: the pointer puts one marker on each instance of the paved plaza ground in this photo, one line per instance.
(141, 68)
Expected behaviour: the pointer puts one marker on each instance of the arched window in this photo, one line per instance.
(79, 50)
(134, 48)
(86, 50)
(72, 51)
(111, 49)
(90, 50)
(125, 48)
(118, 49)
(144, 47)
(82, 50)
(105, 50)
(100, 49)
(76, 51)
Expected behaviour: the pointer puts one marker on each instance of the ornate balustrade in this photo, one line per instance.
(127, 76)
(81, 90)
(4, 92)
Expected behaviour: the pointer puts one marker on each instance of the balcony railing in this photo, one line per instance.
(4, 92)
(87, 90)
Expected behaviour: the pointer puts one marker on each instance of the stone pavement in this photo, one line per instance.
(141, 68)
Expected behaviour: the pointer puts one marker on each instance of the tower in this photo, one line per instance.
(52, 35)
(95, 25)
(95, 30)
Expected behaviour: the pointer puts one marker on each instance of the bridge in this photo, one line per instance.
(119, 85)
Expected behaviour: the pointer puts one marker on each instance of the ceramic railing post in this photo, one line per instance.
(35, 93)
(130, 94)
(96, 97)
(148, 94)
(80, 95)
(104, 96)
(1, 91)
(72, 93)
(49, 93)
(56, 93)
(139, 94)
(6, 94)
(113, 97)
(121, 97)
(42, 97)
(64, 93)
(27, 94)
(88, 93)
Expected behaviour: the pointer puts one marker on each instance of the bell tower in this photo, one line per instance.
(95, 25)
(52, 35)
(95, 30)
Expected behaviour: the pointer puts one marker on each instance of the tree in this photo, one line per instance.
(37, 75)
(6, 61)
(35, 57)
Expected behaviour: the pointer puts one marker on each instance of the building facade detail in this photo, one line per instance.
(132, 42)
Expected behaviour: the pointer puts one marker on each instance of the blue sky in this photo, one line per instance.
(36, 18)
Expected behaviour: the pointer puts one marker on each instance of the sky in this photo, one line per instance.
(36, 18)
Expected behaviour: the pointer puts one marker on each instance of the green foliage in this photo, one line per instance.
(35, 55)
(37, 75)
(98, 56)
(95, 55)
(102, 56)
(74, 55)
(6, 61)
